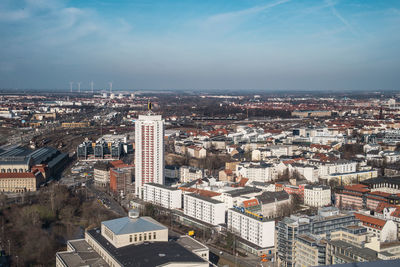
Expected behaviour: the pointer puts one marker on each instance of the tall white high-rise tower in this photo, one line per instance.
(149, 151)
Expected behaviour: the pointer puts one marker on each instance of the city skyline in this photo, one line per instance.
(262, 45)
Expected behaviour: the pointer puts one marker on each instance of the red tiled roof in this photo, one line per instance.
(243, 181)
(201, 192)
(357, 187)
(382, 205)
(17, 175)
(119, 164)
(370, 221)
(250, 203)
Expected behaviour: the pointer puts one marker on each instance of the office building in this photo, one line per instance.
(149, 151)
(287, 230)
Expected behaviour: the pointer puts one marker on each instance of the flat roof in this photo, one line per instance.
(190, 243)
(208, 199)
(147, 254)
(162, 186)
(84, 255)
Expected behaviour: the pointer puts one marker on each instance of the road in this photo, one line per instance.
(114, 205)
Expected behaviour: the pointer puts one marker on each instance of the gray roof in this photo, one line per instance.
(243, 191)
(208, 199)
(269, 197)
(128, 225)
(148, 254)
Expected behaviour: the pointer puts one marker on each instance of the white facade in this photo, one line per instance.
(260, 172)
(204, 209)
(101, 177)
(341, 166)
(252, 229)
(317, 196)
(149, 151)
(188, 174)
(167, 197)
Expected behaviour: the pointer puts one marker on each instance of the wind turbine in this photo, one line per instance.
(70, 86)
(79, 87)
(110, 83)
(91, 86)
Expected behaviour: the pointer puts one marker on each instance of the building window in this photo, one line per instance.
(140, 237)
(154, 235)
(130, 239)
(135, 238)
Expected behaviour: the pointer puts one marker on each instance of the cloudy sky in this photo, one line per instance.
(200, 44)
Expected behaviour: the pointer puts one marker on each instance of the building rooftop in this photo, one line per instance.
(147, 254)
(126, 225)
(243, 191)
(84, 255)
(163, 186)
(208, 199)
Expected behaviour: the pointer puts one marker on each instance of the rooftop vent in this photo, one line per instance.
(133, 214)
(161, 255)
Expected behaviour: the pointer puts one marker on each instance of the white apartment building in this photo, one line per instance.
(204, 209)
(257, 230)
(256, 171)
(317, 196)
(149, 151)
(165, 196)
(309, 172)
(339, 166)
(188, 174)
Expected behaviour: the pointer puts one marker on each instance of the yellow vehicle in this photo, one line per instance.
(191, 233)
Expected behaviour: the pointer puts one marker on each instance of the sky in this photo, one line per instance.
(200, 44)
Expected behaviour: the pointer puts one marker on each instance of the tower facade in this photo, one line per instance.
(149, 151)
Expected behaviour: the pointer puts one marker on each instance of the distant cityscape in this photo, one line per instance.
(200, 179)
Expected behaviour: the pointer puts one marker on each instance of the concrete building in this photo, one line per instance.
(165, 196)
(310, 250)
(101, 173)
(132, 241)
(189, 174)
(204, 209)
(20, 182)
(253, 228)
(328, 220)
(121, 178)
(149, 154)
(256, 171)
(317, 196)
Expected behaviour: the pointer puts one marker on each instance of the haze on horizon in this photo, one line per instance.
(189, 44)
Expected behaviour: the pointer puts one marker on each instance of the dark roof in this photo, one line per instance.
(211, 200)
(147, 254)
(378, 180)
(269, 197)
(243, 191)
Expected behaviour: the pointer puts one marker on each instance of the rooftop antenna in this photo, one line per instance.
(91, 86)
(79, 87)
(110, 83)
(70, 86)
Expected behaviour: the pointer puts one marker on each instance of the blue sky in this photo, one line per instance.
(219, 44)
